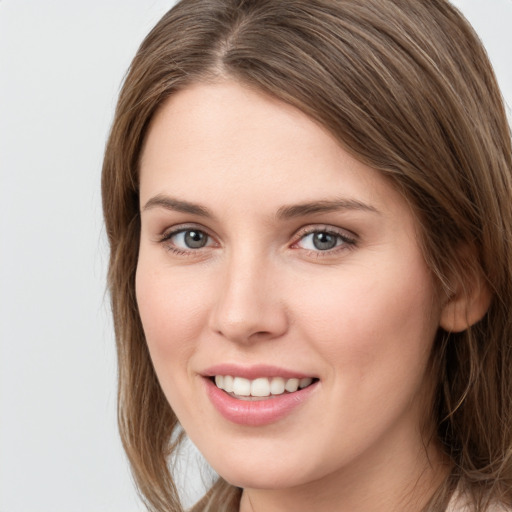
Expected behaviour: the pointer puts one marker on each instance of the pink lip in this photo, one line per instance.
(252, 372)
(255, 413)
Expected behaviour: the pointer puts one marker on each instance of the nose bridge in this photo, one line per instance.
(248, 304)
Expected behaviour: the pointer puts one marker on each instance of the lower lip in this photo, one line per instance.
(256, 413)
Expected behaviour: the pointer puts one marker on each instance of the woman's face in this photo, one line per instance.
(271, 258)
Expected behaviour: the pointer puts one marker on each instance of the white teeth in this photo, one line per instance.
(260, 387)
(241, 386)
(228, 384)
(303, 383)
(292, 385)
(277, 386)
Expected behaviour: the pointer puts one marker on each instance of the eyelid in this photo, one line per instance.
(325, 228)
(185, 226)
(349, 238)
(165, 237)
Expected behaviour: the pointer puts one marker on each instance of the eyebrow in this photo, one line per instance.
(177, 205)
(283, 213)
(299, 210)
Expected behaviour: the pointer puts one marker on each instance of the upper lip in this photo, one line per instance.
(253, 371)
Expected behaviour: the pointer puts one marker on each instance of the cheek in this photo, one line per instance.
(173, 321)
(374, 336)
(172, 318)
(372, 325)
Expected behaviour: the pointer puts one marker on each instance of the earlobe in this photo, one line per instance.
(467, 306)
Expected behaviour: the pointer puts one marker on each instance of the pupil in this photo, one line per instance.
(195, 239)
(324, 241)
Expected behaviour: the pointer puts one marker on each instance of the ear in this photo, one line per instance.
(468, 303)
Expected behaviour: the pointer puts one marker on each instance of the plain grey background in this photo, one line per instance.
(61, 65)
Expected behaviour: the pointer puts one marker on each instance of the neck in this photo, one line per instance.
(403, 483)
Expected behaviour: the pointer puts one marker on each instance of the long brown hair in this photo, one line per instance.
(406, 87)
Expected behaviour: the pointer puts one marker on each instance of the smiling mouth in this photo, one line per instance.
(260, 388)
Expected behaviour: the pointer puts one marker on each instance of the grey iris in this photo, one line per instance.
(195, 239)
(324, 241)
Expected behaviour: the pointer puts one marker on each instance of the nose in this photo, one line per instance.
(249, 305)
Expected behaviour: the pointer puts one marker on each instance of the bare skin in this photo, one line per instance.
(264, 242)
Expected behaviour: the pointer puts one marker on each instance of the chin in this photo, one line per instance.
(265, 473)
(258, 479)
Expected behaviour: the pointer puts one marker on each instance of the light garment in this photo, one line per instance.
(459, 503)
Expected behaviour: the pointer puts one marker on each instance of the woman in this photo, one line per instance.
(309, 207)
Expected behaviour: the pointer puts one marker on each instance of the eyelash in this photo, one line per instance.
(166, 240)
(347, 242)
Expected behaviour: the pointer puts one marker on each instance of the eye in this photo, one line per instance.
(324, 240)
(187, 239)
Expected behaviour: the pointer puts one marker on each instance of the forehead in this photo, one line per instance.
(225, 120)
(225, 144)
